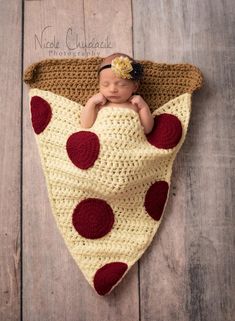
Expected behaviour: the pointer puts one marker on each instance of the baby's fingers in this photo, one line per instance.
(104, 100)
(131, 98)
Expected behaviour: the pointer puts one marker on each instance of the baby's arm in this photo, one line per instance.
(145, 115)
(89, 112)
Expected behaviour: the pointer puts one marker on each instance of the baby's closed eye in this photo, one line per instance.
(104, 84)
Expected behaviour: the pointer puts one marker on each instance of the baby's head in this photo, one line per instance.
(119, 77)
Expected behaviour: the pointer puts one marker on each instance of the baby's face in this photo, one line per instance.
(115, 89)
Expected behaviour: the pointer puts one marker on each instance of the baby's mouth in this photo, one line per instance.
(113, 97)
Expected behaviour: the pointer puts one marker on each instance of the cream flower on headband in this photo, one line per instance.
(122, 67)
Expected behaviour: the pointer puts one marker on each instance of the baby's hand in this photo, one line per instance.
(98, 100)
(138, 101)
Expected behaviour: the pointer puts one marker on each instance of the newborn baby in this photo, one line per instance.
(119, 77)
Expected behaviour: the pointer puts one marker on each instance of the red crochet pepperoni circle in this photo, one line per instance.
(41, 114)
(166, 132)
(93, 218)
(155, 199)
(108, 275)
(83, 149)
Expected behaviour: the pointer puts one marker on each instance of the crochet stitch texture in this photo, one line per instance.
(108, 185)
(77, 80)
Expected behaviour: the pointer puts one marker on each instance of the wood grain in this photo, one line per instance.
(188, 272)
(10, 160)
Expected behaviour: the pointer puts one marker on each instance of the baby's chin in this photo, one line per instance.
(116, 100)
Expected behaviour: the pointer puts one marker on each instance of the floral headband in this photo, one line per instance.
(123, 67)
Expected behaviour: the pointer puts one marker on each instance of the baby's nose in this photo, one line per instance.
(113, 88)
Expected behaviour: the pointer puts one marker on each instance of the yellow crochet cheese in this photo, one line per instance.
(125, 168)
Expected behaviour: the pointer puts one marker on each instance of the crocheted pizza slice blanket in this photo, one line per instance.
(108, 185)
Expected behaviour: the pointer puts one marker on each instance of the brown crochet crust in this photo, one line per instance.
(76, 79)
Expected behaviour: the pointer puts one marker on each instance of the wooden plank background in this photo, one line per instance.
(10, 159)
(187, 274)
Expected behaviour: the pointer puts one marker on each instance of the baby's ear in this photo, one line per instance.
(136, 86)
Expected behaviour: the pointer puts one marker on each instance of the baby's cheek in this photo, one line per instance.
(127, 91)
(102, 91)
